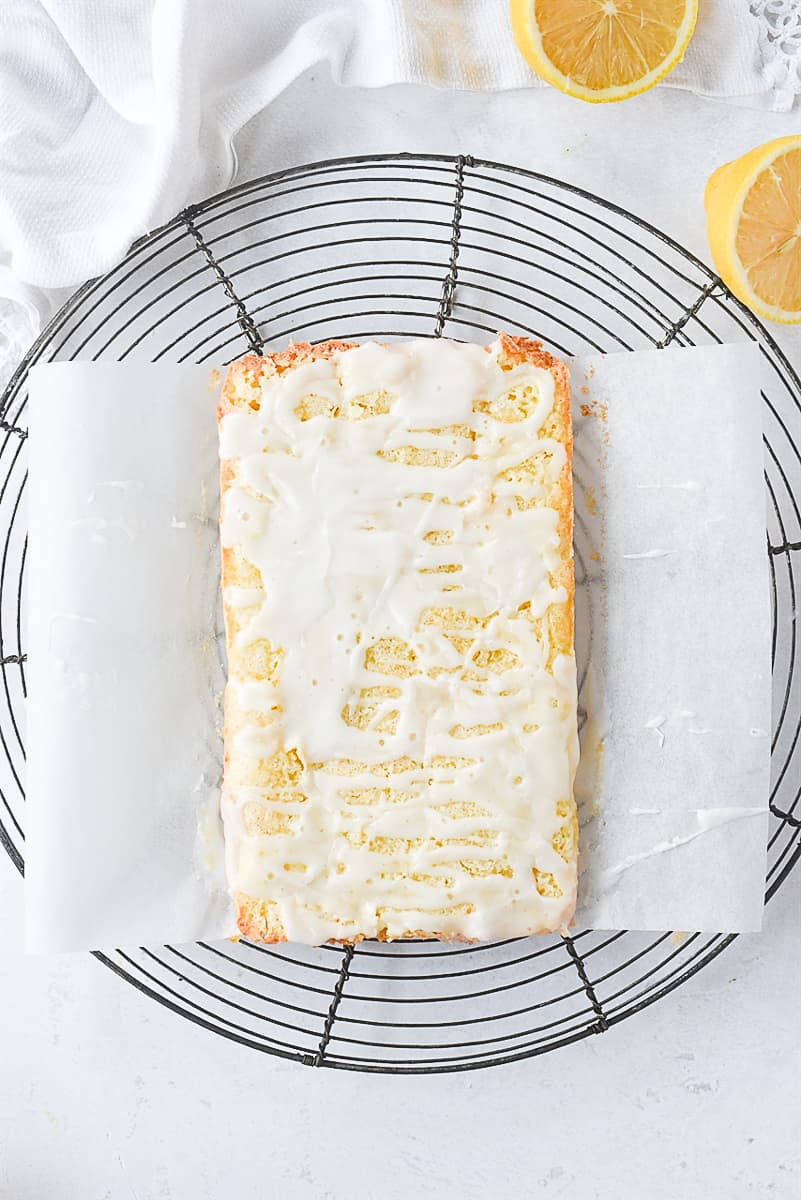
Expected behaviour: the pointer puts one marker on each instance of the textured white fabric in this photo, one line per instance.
(780, 47)
(116, 113)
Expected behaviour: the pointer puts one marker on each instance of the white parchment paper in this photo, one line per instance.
(122, 838)
(674, 779)
(125, 665)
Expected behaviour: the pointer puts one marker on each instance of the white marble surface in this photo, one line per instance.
(104, 1094)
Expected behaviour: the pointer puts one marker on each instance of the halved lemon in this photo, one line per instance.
(603, 50)
(753, 222)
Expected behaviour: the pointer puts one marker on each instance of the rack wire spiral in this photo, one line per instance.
(390, 247)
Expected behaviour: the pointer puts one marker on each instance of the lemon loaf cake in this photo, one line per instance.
(400, 712)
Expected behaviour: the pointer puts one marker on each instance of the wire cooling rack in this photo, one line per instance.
(392, 247)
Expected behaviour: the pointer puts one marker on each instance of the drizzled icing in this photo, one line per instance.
(400, 730)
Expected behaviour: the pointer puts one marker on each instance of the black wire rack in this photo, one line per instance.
(399, 246)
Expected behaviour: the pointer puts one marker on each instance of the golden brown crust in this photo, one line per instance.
(259, 920)
(522, 349)
(515, 350)
(242, 384)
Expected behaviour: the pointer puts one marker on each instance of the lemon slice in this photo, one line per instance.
(602, 50)
(753, 222)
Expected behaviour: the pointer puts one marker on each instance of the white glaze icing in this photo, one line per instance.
(352, 541)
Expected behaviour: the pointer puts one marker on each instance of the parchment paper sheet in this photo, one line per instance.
(674, 779)
(122, 836)
(126, 667)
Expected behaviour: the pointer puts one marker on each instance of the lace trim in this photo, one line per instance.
(780, 46)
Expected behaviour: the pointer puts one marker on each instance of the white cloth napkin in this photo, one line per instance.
(115, 115)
